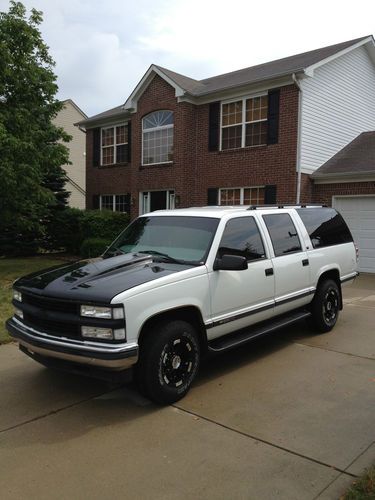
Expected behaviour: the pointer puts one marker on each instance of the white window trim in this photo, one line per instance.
(243, 122)
(113, 145)
(242, 189)
(113, 201)
(163, 127)
(170, 199)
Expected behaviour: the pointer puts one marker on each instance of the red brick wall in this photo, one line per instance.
(262, 165)
(323, 192)
(194, 168)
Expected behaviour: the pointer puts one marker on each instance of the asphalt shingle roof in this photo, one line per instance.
(266, 71)
(246, 76)
(358, 157)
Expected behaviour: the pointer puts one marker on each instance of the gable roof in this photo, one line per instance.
(266, 71)
(186, 86)
(356, 158)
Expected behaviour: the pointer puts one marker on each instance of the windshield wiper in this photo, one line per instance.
(167, 258)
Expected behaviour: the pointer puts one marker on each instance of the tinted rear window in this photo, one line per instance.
(325, 226)
(283, 234)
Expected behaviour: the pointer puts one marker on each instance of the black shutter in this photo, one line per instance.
(95, 202)
(213, 126)
(270, 195)
(212, 196)
(129, 155)
(96, 147)
(273, 116)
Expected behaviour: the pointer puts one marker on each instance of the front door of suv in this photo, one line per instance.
(241, 298)
(290, 263)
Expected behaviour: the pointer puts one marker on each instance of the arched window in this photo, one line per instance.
(157, 137)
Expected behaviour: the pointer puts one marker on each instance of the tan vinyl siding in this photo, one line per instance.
(77, 170)
(338, 104)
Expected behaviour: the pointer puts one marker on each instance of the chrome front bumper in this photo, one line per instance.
(107, 356)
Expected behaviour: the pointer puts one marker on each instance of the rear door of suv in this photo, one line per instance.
(290, 262)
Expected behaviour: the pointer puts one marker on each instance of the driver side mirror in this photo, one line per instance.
(230, 263)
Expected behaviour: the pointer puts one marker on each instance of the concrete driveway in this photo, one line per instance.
(291, 416)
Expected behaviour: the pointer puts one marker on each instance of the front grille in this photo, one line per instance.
(48, 304)
(51, 327)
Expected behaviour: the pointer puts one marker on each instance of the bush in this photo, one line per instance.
(70, 227)
(93, 247)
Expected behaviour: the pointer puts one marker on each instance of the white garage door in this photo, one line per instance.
(359, 213)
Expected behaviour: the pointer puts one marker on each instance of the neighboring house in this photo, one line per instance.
(76, 172)
(252, 136)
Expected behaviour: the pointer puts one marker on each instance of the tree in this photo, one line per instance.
(31, 146)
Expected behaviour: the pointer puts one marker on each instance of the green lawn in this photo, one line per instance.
(10, 270)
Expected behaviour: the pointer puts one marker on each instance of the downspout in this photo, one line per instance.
(298, 159)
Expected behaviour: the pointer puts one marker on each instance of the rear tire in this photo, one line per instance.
(325, 306)
(169, 361)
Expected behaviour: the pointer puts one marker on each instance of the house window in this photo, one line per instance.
(157, 145)
(114, 144)
(115, 202)
(242, 196)
(244, 122)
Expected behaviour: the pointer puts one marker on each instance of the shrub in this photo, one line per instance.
(93, 247)
(70, 227)
(103, 224)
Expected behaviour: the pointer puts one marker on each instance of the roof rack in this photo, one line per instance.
(298, 205)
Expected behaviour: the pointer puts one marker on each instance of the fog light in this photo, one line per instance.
(18, 312)
(97, 333)
(17, 295)
(119, 333)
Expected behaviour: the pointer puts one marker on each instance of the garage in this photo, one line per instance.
(359, 214)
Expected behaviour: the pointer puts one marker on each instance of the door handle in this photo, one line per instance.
(269, 271)
(305, 262)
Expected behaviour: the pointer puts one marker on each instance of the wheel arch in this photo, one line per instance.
(331, 274)
(190, 314)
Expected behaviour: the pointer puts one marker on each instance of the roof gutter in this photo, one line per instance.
(299, 127)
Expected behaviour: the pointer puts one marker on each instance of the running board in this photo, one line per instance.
(243, 336)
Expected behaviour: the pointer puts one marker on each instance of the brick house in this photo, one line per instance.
(252, 136)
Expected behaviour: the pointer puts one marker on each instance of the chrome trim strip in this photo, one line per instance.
(294, 296)
(221, 320)
(259, 308)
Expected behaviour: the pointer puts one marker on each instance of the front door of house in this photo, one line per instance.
(156, 200)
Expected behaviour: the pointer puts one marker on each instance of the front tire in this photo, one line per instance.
(325, 306)
(169, 361)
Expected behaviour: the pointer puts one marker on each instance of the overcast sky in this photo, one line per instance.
(102, 48)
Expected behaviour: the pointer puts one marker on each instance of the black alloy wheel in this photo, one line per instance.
(325, 306)
(169, 361)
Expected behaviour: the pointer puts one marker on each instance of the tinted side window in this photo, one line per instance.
(241, 237)
(325, 226)
(283, 233)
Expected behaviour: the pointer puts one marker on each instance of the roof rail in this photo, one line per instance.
(297, 205)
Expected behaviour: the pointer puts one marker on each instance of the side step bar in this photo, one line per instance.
(243, 336)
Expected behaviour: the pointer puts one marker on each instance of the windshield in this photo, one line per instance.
(183, 239)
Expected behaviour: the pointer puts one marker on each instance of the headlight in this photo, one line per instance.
(102, 333)
(17, 295)
(89, 311)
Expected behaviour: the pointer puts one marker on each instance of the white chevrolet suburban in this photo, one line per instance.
(177, 284)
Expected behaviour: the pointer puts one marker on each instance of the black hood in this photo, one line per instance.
(97, 280)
